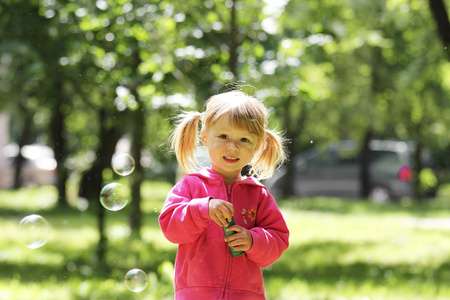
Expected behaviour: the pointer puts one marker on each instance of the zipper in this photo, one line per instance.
(228, 189)
(227, 275)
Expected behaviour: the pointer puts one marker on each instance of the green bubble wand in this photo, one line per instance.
(234, 253)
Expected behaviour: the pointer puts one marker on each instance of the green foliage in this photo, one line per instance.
(348, 66)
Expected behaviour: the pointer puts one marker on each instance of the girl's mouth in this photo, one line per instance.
(230, 159)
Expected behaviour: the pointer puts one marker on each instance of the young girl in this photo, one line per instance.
(233, 129)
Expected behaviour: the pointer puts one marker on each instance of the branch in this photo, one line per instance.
(196, 18)
(439, 12)
(222, 20)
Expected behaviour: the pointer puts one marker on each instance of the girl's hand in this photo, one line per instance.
(240, 241)
(220, 211)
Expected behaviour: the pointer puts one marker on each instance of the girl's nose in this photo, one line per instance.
(232, 145)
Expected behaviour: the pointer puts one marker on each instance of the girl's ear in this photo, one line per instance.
(203, 135)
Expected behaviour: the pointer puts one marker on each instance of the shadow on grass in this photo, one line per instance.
(324, 263)
(121, 257)
(428, 207)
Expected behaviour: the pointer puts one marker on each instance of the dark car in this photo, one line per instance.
(335, 171)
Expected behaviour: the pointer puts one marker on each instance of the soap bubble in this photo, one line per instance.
(34, 231)
(114, 196)
(123, 164)
(136, 280)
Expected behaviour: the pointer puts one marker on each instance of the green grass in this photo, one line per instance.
(65, 267)
(343, 249)
(339, 249)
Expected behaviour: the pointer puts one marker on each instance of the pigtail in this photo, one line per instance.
(270, 155)
(184, 140)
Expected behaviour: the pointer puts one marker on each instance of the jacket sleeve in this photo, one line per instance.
(184, 218)
(270, 234)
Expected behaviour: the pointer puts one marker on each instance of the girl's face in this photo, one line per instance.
(229, 149)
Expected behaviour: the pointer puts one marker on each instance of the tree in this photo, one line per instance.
(440, 15)
(21, 89)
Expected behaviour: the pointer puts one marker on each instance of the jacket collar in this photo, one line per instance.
(212, 176)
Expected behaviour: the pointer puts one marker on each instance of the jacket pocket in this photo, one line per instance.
(207, 268)
(246, 275)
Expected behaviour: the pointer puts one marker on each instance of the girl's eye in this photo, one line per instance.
(245, 140)
(223, 136)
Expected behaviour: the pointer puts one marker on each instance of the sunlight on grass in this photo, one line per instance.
(79, 288)
(351, 250)
(155, 194)
(32, 198)
(339, 249)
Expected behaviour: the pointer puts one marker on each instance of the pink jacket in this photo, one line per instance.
(204, 268)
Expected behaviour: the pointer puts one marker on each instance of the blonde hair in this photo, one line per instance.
(245, 113)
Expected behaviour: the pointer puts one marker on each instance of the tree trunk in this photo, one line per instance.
(138, 174)
(24, 138)
(364, 165)
(440, 15)
(293, 130)
(59, 143)
(418, 166)
(232, 37)
(92, 180)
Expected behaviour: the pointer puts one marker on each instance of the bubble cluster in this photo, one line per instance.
(34, 231)
(123, 164)
(136, 280)
(114, 196)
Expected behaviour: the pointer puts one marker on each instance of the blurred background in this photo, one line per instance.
(360, 89)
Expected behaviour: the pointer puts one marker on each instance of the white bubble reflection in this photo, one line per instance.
(136, 280)
(34, 231)
(123, 164)
(114, 196)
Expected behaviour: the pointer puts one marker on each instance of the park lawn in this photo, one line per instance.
(359, 250)
(339, 249)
